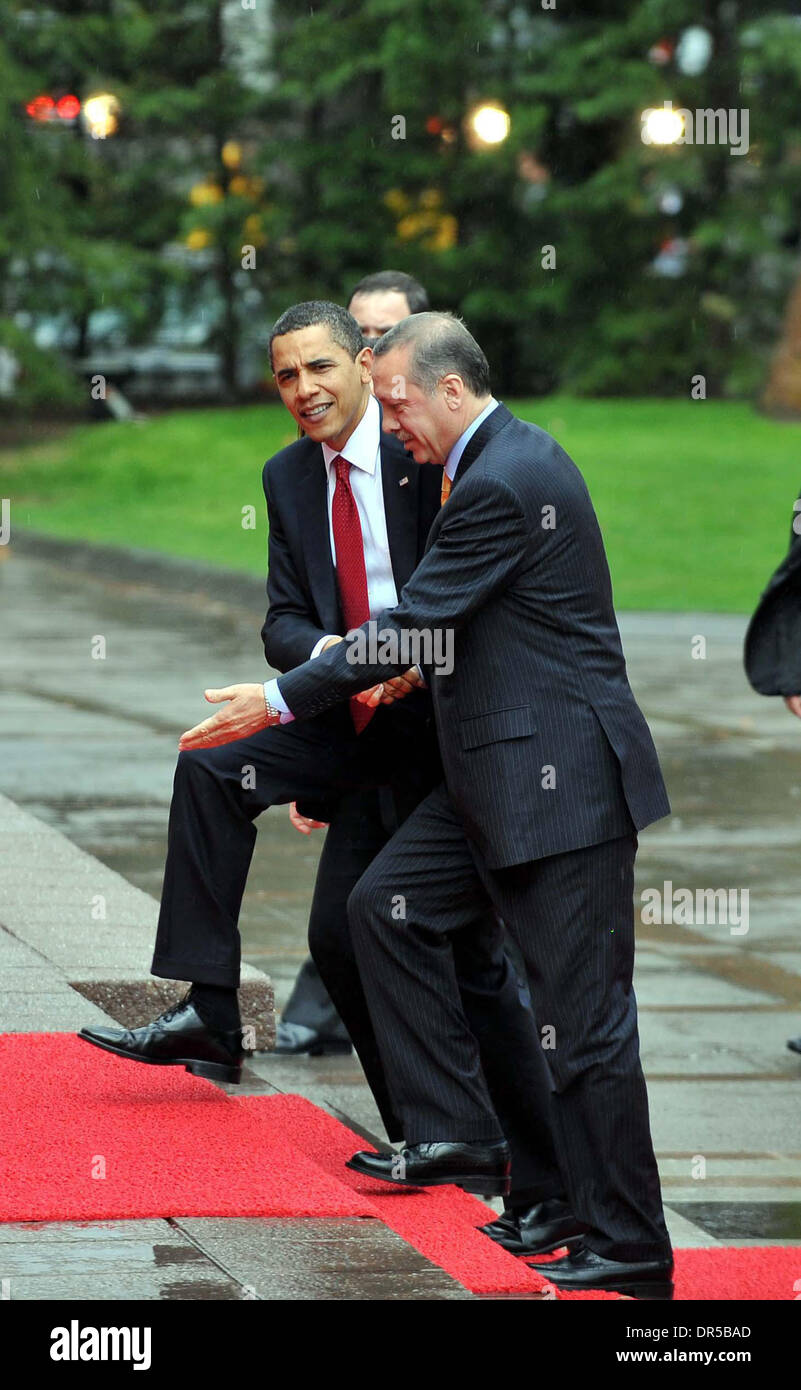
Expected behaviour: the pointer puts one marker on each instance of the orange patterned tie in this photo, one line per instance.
(446, 490)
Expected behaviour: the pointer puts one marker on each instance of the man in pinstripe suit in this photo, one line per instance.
(550, 772)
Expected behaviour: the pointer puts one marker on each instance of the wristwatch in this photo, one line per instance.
(273, 713)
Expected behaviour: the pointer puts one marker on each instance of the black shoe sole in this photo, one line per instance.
(488, 1186)
(484, 1187)
(515, 1247)
(654, 1289)
(210, 1071)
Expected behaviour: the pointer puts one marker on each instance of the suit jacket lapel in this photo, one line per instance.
(400, 481)
(493, 423)
(313, 508)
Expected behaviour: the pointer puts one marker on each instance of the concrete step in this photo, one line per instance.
(86, 929)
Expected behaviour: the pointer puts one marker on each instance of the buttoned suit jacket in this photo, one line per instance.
(544, 747)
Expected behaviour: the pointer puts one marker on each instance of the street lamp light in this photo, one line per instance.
(662, 125)
(489, 124)
(101, 115)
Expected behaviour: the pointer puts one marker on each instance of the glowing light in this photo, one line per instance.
(489, 124)
(231, 154)
(101, 115)
(661, 125)
(41, 108)
(68, 107)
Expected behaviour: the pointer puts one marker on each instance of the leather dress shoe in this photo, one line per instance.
(480, 1168)
(177, 1038)
(583, 1269)
(293, 1039)
(794, 1044)
(538, 1230)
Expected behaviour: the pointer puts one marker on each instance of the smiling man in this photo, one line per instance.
(309, 1022)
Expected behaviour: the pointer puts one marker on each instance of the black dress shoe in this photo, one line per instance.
(794, 1044)
(293, 1039)
(582, 1269)
(480, 1168)
(178, 1038)
(537, 1230)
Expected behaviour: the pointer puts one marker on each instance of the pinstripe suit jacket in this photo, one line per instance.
(543, 744)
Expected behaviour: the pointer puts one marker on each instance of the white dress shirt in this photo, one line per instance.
(363, 452)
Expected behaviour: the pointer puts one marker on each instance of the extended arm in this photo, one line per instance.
(481, 544)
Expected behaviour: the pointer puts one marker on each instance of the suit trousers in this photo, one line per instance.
(366, 817)
(572, 918)
(219, 793)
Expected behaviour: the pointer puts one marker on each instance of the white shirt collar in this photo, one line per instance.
(452, 461)
(361, 448)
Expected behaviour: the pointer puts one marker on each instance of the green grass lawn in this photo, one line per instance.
(695, 498)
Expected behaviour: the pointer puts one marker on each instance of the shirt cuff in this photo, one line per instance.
(274, 697)
(318, 646)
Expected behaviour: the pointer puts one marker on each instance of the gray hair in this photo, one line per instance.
(440, 344)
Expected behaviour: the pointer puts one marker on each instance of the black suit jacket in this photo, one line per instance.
(539, 691)
(773, 640)
(303, 596)
(302, 589)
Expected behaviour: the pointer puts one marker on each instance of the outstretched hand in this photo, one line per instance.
(244, 714)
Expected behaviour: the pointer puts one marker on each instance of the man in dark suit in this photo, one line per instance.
(309, 1021)
(550, 771)
(344, 491)
(773, 640)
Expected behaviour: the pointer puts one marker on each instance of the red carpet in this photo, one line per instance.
(88, 1136)
(85, 1135)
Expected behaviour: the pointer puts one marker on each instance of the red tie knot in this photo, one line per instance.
(342, 469)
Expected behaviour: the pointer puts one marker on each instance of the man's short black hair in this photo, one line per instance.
(416, 297)
(343, 327)
(440, 343)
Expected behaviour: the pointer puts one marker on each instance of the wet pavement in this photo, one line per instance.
(89, 746)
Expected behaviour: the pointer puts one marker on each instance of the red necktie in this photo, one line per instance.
(351, 572)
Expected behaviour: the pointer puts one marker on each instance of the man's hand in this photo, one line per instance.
(304, 824)
(245, 713)
(389, 691)
(793, 703)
